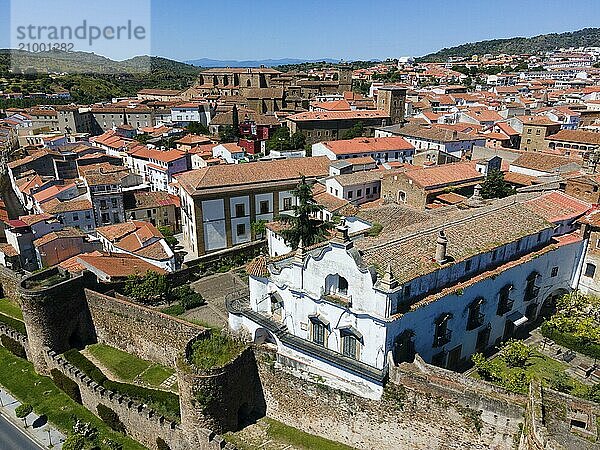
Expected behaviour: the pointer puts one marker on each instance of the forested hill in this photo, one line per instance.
(588, 37)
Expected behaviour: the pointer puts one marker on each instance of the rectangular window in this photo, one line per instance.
(349, 346)
(590, 270)
(241, 229)
(468, 265)
(264, 207)
(113, 202)
(368, 191)
(554, 272)
(350, 193)
(359, 193)
(505, 303)
(287, 203)
(483, 338)
(318, 333)
(240, 210)
(75, 217)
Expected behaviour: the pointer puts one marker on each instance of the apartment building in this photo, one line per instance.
(220, 203)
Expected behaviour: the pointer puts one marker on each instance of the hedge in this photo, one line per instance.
(165, 403)
(15, 324)
(13, 346)
(110, 418)
(86, 366)
(65, 384)
(570, 341)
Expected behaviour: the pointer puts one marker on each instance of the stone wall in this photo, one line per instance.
(141, 423)
(57, 316)
(16, 336)
(223, 399)
(138, 330)
(413, 413)
(9, 281)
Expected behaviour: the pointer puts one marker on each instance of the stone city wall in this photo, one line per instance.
(10, 281)
(138, 330)
(412, 414)
(222, 399)
(141, 423)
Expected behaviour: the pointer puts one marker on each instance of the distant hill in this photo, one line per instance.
(89, 63)
(588, 37)
(212, 63)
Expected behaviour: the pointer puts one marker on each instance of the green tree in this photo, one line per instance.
(22, 411)
(227, 134)
(169, 237)
(280, 140)
(197, 128)
(259, 229)
(302, 225)
(489, 370)
(516, 353)
(297, 140)
(356, 131)
(152, 288)
(494, 186)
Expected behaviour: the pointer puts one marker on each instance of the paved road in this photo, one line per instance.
(13, 439)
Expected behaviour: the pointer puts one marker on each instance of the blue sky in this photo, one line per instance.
(348, 29)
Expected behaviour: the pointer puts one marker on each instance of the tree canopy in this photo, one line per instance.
(150, 288)
(302, 224)
(494, 186)
(282, 140)
(356, 131)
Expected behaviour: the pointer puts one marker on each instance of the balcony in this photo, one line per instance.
(475, 321)
(531, 293)
(505, 305)
(442, 339)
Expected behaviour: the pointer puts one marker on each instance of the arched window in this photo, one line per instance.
(476, 318)
(590, 270)
(336, 285)
(249, 83)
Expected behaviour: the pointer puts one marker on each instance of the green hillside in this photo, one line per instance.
(588, 37)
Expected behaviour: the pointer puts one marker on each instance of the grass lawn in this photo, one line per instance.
(128, 367)
(155, 375)
(10, 309)
(18, 376)
(543, 368)
(278, 433)
(216, 351)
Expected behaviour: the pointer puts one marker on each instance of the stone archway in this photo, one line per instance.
(264, 336)
(549, 306)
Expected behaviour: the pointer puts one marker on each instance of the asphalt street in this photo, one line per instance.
(13, 439)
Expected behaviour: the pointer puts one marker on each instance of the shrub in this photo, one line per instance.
(516, 353)
(65, 384)
(110, 418)
(561, 382)
(570, 341)
(489, 370)
(593, 393)
(188, 298)
(162, 445)
(85, 365)
(151, 289)
(516, 381)
(15, 324)
(174, 310)
(13, 346)
(165, 403)
(74, 442)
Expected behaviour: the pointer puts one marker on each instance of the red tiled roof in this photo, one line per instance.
(368, 145)
(446, 174)
(557, 206)
(338, 115)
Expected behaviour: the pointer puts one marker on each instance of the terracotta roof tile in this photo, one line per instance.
(368, 145)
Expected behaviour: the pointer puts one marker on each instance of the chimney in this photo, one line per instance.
(441, 248)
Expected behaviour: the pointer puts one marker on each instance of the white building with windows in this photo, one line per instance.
(444, 288)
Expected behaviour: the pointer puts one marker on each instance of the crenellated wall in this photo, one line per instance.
(9, 281)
